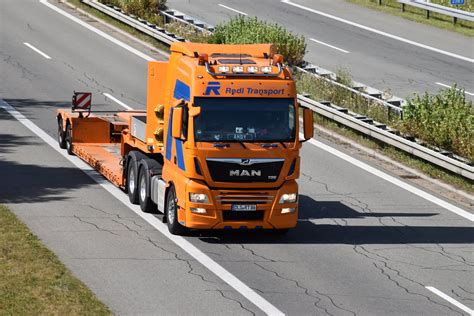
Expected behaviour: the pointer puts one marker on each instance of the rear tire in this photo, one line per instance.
(68, 139)
(133, 160)
(147, 166)
(171, 212)
(61, 134)
(132, 181)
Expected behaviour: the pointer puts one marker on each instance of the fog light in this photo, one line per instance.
(288, 198)
(198, 210)
(287, 210)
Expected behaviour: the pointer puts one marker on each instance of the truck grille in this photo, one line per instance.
(226, 197)
(244, 170)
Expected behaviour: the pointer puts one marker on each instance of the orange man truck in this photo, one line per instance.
(217, 146)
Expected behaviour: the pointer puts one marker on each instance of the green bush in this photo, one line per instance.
(445, 120)
(145, 9)
(321, 90)
(247, 30)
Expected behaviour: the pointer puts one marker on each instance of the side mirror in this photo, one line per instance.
(177, 128)
(308, 121)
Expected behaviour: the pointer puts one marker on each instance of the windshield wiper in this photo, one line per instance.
(269, 145)
(243, 145)
(218, 145)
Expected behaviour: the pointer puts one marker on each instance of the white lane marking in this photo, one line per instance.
(37, 50)
(111, 97)
(231, 9)
(395, 37)
(331, 46)
(448, 86)
(450, 299)
(425, 195)
(197, 254)
(99, 32)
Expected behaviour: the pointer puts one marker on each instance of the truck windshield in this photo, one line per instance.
(245, 119)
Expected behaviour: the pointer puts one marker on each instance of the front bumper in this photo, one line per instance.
(219, 214)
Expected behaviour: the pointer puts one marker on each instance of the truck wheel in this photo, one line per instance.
(61, 136)
(144, 187)
(171, 212)
(132, 179)
(133, 159)
(68, 139)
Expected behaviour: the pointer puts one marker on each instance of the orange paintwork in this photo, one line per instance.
(163, 77)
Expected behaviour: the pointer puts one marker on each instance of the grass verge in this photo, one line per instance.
(397, 155)
(33, 281)
(419, 15)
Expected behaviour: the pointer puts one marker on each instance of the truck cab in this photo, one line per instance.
(231, 147)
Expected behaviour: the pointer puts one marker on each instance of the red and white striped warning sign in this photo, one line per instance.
(82, 100)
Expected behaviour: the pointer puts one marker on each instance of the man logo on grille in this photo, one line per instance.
(245, 173)
(245, 162)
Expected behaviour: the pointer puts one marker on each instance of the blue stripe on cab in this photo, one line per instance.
(182, 91)
(179, 154)
(168, 137)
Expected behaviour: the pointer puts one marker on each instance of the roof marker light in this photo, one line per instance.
(266, 69)
(238, 69)
(223, 69)
(252, 69)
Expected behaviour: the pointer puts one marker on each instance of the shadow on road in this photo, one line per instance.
(24, 183)
(307, 232)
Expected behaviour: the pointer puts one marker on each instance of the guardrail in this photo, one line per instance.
(178, 16)
(139, 24)
(341, 115)
(433, 7)
(370, 129)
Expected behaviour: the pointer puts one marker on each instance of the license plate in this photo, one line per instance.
(244, 207)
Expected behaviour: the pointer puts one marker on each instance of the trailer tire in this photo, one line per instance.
(61, 134)
(68, 139)
(147, 168)
(133, 159)
(171, 212)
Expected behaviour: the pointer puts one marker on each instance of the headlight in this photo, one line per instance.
(198, 198)
(288, 198)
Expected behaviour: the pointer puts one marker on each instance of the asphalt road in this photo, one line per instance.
(382, 62)
(362, 245)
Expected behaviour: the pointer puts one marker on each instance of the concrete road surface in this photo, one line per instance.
(364, 244)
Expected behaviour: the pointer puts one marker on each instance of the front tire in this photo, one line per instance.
(171, 212)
